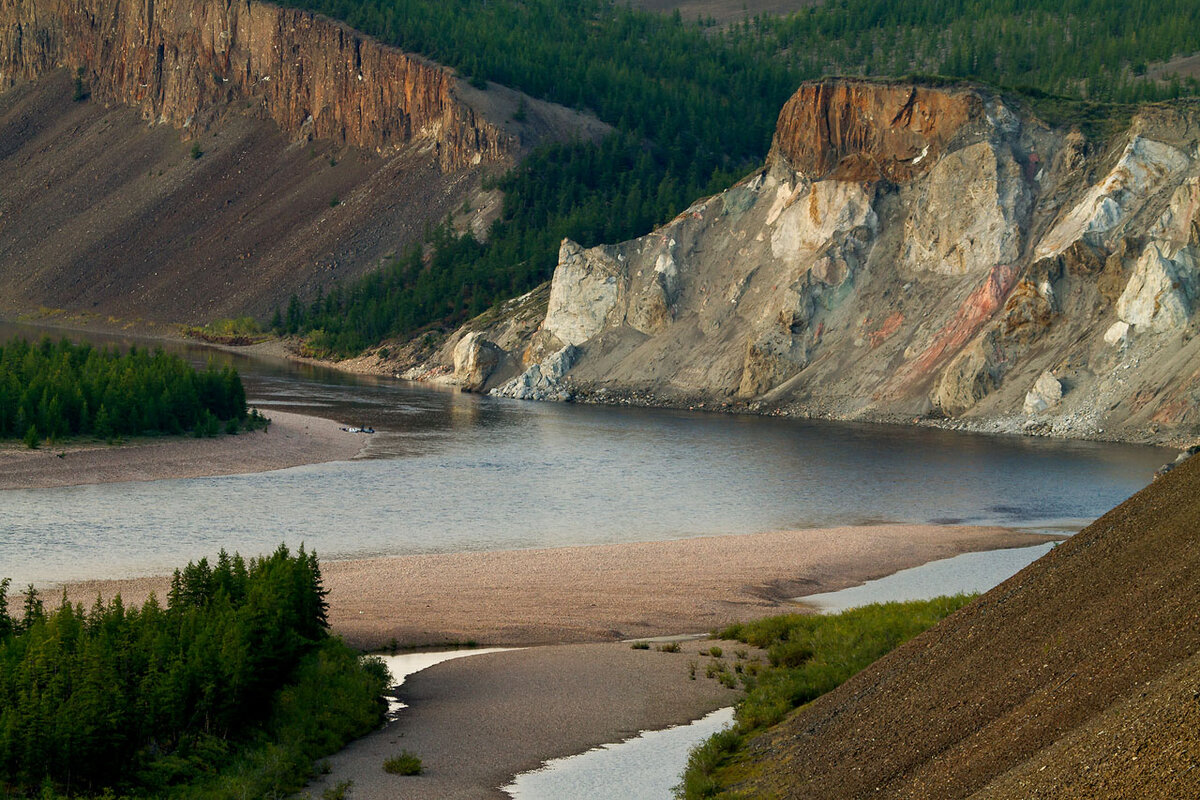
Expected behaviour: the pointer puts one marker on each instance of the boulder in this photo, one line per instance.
(1046, 393)
(475, 358)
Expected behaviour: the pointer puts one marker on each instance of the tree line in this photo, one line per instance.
(56, 390)
(230, 690)
(694, 107)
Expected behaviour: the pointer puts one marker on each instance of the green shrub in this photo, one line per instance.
(809, 655)
(404, 764)
(31, 437)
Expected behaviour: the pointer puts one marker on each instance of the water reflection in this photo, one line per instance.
(451, 472)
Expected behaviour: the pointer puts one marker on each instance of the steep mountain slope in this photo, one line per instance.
(1075, 678)
(907, 251)
(323, 151)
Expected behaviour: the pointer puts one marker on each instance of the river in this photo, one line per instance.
(450, 472)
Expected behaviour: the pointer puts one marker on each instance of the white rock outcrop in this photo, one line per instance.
(587, 287)
(1046, 393)
(1117, 333)
(1159, 294)
(967, 213)
(808, 220)
(1144, 166)
(543, 380)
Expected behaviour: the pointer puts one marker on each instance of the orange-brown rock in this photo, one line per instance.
(182, 61)
(863, 131)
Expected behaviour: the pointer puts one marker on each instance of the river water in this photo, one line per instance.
(451, 472)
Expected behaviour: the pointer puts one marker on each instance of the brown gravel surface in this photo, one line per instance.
(476, 722)
(589, 594)
(1079, 677)
(291, 440)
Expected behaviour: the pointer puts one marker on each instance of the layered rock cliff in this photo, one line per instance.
(910, 252)
(318, 154)
(182, 61)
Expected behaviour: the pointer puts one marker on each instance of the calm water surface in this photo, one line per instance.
(450, 472)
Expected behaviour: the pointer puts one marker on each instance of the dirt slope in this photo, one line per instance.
(1078, 677)
(324, 151)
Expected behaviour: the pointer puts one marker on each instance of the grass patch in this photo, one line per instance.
(808, 655)
(668, 647)
(640, 646)
(404, 764)
(239, 331)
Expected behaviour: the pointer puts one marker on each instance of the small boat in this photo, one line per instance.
(358, 430)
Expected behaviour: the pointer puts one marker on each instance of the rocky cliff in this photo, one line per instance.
(318, 153)
(183, 61)
(910, 252)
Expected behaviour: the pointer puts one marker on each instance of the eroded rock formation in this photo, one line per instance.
(182, 61)
(913, 252)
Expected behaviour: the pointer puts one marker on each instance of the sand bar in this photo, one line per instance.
(476, 722)
(607, 592)
(291, 440)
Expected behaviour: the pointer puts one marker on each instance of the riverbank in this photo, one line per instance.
(291, 440)
(606, 592)
(477, 722)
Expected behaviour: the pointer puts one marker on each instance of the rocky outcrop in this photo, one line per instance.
(859, 131)
(913, 252)
(1046, 393)
(543, 380)
(183, 61)
(475, 359)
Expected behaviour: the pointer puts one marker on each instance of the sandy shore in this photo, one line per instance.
(603, 593)
(478, 721)
(291, 440)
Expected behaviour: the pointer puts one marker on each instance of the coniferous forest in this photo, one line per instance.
(230, 690)
(694, 106)
(54, 390)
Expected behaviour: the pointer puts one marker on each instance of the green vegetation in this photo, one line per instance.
(195, 152)
(694, 107)
(404, 764)
(808, 656)
(81, 92)
(53, 391)
(233, 690)
(238, 331)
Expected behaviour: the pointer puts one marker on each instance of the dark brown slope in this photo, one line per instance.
(102, 209)
(100, 212)
(1078, 677)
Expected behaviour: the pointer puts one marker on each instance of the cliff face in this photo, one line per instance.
(183, 61)
(862, 132)
(910, 253)
(101, 213)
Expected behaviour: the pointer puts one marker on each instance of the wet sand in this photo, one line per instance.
(291, 440)
(607, 592)
(476, 722)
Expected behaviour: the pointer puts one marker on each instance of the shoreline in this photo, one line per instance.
(370, 364)
(604, 593)
(290, 441)
(477, 722)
